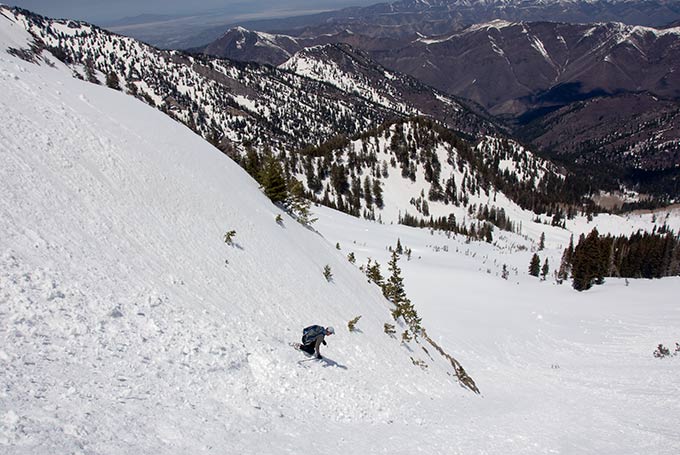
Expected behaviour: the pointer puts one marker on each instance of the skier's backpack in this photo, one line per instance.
(309, 334)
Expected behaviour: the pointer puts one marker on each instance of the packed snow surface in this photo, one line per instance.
(560, 371)
(128, 325)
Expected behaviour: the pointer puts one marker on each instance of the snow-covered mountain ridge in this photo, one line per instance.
(603, 95)
(353, 71)
(238, 106)
(240, 42)
(400, 19)
(128, 325)
(413, 168)
(231, 102)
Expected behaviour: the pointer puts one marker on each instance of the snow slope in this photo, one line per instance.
(560, 371)
(127, 325)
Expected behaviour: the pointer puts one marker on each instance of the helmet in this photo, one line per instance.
(330, 330)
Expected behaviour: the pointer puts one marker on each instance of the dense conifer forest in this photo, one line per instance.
(641, 255)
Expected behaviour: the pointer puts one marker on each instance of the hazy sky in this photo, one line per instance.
(106, 10)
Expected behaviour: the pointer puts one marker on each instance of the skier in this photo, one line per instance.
(312, 337)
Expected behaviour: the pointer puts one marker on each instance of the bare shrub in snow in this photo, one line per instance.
(229, 237)
(351, 325)
(662, 351)
(327, 272)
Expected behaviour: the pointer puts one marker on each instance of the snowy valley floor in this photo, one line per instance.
(560, 371)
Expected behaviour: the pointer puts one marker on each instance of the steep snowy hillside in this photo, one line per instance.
(128, 325)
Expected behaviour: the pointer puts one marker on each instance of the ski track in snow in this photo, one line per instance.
(560, 371)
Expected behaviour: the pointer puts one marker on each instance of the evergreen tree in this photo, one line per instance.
(389, 329)
(394, 286)
(112, 80)
(90, 72)
(535, 265)
(586, 261)
(355, 199)
(368, 192)
(229, 237)
(566, 262)
(394, 291)
(374, 275)
(298, 205)
(252, 164)
(504, 273)
(377, 194)
(272, 180)
(541, 242)
(545, 270)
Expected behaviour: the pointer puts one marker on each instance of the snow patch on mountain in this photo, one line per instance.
(326, 70)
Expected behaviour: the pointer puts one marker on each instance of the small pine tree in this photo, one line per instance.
(298, 205)
(399, 249)
(373, 273)
(90, 72)
(390, 329)
(351, 258)
(337, 245)
(112, 81)
(394, 286)
(229, 237)
(545, 270)
(662, 351)
(132, 89)
(588, 264)
(272, 180)
(565, 263)
(279, 219)
(393, 290)
(327, 272)
(504, 273)
(541, 242)
(535, 265)
(351, 325)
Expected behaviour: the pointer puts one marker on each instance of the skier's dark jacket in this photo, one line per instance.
(312, 338)
(311, 333)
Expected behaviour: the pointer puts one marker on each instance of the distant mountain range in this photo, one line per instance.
(509, 68)
(430, 17)
(516, 68)
(326, 97)
(554, 88)
(522, 72)
(411, 17)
